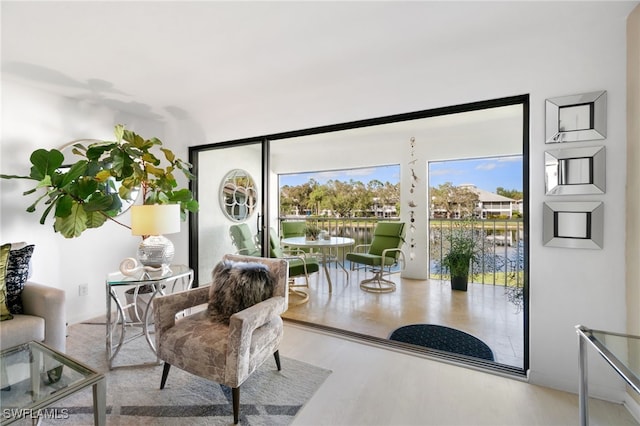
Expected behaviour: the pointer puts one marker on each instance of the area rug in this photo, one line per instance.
(267, 397)
(443, 339)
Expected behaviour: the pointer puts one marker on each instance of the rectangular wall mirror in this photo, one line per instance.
(573, 224)
(572, 171)
(577, 117)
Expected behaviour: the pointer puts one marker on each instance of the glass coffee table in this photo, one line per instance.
(33, 377)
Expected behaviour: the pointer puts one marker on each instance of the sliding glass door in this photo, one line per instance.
(230, 187)
(410, 141)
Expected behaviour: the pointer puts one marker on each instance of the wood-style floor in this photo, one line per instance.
(482, 311)
(372, 386)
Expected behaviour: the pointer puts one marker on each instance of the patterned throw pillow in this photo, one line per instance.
(4, 260)
(237, 286)
(17, 274)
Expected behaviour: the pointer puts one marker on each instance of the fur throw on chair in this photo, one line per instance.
(237, 286)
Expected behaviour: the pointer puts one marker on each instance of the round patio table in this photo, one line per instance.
(323, 246)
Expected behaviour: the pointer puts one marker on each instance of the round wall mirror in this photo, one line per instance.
(238, 195)
(112, 185)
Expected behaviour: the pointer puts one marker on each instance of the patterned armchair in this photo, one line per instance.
(224, 353)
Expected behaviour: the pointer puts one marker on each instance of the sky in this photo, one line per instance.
(485, 173)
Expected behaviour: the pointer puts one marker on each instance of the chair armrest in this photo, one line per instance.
(361, 248)
(241, 329)
(257, 315)
(48, 303)
(384, 255)
(166, 307)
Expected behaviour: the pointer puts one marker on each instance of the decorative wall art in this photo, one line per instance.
(573, 224)
(576, 118)
(238, 195)
(411, 202)
(572, 171)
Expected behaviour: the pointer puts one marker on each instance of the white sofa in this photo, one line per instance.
(44, 319)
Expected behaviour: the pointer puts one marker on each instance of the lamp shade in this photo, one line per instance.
(155, 219)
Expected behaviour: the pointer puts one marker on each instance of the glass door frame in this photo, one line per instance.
(264, 203)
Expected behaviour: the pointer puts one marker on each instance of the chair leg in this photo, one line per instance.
(378, 284)
(235, 392)
(165, 373)
(276, 355)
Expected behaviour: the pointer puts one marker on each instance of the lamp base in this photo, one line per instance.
(156, 251)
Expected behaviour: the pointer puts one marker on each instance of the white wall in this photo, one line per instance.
(35, 119)
(558, 50)
(563, 53)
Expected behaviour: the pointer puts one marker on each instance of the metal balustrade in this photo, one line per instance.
(500, 244)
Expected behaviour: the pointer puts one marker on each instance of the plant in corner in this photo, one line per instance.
(464, 248)
(83, 194)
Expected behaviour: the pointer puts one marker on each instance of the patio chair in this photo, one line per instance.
(244, 240)
(293, 229)
(300, 265)
(384, 252)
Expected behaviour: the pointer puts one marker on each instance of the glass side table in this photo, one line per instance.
(137, 311)
(621, 351)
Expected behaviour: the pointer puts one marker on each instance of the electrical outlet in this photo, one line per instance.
(83, 289)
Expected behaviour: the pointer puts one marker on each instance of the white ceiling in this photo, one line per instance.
(198, 59)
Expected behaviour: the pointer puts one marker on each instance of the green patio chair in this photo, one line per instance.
(300, 265)
(293, 228)
(244, 240)
(384, 251)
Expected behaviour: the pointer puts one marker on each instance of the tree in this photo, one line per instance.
(514, 194)
(455, 201)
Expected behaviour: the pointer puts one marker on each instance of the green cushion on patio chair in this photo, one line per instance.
(384, 251)
(244, 240)
(296, 263)
(293, 229)
(299, 266)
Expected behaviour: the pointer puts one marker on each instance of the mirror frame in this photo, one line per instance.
(592, 213)
(234, 174)
(588, 107)
(553, 164)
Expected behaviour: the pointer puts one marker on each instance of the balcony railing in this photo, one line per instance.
(501, 245)
(500, 248)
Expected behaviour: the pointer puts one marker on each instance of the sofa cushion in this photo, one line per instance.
(16, 276)
(237, 286)
(5, 314)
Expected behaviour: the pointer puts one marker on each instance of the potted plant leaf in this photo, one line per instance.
(83, 195)
(464, 248)
(311, 232)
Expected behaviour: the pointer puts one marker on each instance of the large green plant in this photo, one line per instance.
(464, 247)
(87, 193)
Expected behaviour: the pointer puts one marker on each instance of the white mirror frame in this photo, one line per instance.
(576, 117)
(591, 181)
(238, 195)
(573, 224)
